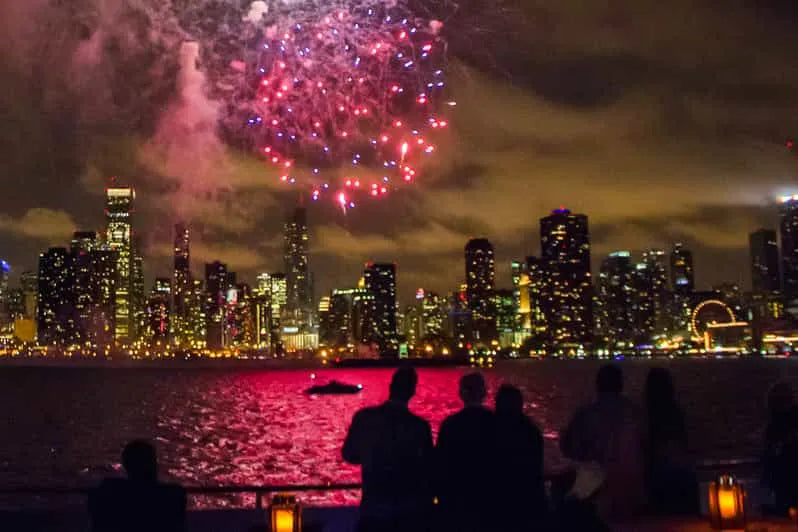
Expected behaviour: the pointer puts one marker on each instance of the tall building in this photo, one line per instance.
(55, 312)
(682, 275)
(196, 333)
(158, 316)
(764, 249)
(138, 299)
(657, 267)
(615, 312)
(788, 228)
(459, 315)
(295, 257)
(216, 285)
(644, 303)
(119, 238)
(29, 283)
(262, 310)
(568, 300)
(504, 302)
(181, 283)
(380, 283)
(5, 314)
(480, 272)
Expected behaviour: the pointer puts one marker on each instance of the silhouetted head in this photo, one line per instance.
(659, 388)
(472, 389)
(138, 459)
(403, 384)
(609, 380)
(509, 401)
(780, 398)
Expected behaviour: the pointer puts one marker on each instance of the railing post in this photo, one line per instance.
(258, 500)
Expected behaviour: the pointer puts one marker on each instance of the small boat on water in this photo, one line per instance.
(334, 387)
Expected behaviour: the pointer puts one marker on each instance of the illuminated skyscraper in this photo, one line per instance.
(505, 316)
(616, 299)
(682, 276)
(657, 267)
(55, 312)
(295, 258)
(644, 303)
(764, 248)
(5, 314)
(262, 310)
(216, 285)
(181, 284)
(119, 238)
(29, 282)
(788, 225)
(380, 283)
(568, 299)
(158, 312)
(480, 271)
(196, 318)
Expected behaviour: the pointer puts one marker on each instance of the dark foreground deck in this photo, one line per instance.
(70, 514)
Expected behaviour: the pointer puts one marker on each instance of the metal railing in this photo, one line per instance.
(261, 490)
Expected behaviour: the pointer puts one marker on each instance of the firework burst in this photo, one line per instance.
(344, 97)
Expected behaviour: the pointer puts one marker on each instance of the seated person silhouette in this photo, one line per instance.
(138, 502)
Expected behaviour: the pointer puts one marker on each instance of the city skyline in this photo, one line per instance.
(619, 126)
(297, 233)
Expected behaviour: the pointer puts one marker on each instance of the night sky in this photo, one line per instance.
(662, 121)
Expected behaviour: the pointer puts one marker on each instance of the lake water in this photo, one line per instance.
(67, 426)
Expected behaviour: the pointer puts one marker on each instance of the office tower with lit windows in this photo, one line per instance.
(29, 282)
(196, 334)
(262, 310)
(788, 229)
(644, 304)
(380, 283)
(5, 314)
(119, 238)
(764, 253)
(138, 296)
(504, 302)
(615, 299)
(568, 300)
(54, 308)
(181, 283)
(295, 258)
(657, 267)
(480, 272)
(82, 290)
(216, 285)
(682, 275)
(459, 315)
(279, 297)
(158, 315)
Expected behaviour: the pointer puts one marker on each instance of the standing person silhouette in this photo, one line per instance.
(670, 479)
(781, 448)
(608, 433)
(466, 461)
(394, 448)
(519, 464)
(139, 502)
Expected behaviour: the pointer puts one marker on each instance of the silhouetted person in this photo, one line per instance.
(609, 433)
(138, 502)
(394, 448)
(519, 464)
(466, 457)
(671, 482)
(781, 447)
